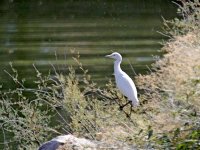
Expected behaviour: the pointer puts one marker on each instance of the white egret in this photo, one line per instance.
(124, 83)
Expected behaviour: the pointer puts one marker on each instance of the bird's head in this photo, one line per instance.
(115, 56)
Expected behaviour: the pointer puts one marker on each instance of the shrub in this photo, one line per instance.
(30, 116)
(25, 119)
(189, 20)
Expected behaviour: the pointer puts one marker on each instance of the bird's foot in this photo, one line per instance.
(128, 116)
(121, 107)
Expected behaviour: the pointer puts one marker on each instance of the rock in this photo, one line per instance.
(68, 142)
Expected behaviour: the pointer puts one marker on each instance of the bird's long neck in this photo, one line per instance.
(117, 67)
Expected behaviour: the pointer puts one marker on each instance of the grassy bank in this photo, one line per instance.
(172, 91)
(168, 116)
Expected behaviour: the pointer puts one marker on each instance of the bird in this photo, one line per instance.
(124, 83)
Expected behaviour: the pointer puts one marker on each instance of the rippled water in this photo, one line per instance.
(32, 31)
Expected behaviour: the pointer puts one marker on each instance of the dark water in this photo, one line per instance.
(32, 31)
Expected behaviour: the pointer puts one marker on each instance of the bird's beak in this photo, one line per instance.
(108, 56)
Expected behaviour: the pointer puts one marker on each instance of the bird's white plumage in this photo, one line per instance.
(127, 87)
(124, 83)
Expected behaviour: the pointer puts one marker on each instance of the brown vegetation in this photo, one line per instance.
(173, 86)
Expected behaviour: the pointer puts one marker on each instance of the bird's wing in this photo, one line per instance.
(126, 86)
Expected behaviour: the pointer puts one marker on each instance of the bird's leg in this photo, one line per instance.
(121, 107)
(130, 110)
(129, 115)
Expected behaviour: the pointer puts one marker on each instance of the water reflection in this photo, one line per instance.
(31, 32)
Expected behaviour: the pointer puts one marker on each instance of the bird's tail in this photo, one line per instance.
(135, 102)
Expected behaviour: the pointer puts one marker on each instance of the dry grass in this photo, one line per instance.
(172, 89)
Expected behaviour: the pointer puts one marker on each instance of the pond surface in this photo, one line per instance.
(31, 32)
